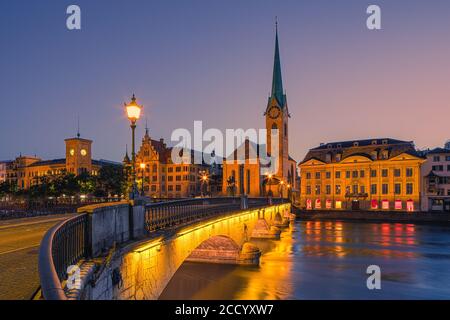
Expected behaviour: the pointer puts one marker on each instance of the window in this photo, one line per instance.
(436, 158)
(308, 189)
(328, 175)
(338, 174)
(355, 188)
(363, 189)
(155, 168)
(438, 168)
(373, 189)
(170, 188)
(384, 188)
(347, 174)
(178, 169)
(338, 189)
(178, 178)
(447, 158)
(355, 174)
(178, 187)
(338, 156)
(169, 178)
(373, 173)
(328, 189)
(409, 188)
(361, 173)
(397, 188)
(397, 172)
(317, 175)
(317, 189)
(155, 178)
(308, 175)
(448, 167)
(409, 172)
(385, 155)
(169, 169)
(153, 188)
(384, 173)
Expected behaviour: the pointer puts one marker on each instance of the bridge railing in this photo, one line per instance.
(163, 215)
(63, 245)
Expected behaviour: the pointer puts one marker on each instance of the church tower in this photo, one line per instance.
(277, 115)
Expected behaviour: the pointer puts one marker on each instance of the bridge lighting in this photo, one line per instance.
(133, 110)
(142, 166)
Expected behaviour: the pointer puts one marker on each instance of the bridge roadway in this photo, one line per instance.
(19, 248)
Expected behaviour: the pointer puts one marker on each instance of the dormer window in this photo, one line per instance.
(338, 157)
(374, 142)
(356, 143)
(374, 155)
(385, 154)
(329, 146)
(339, 146)
(385, 141)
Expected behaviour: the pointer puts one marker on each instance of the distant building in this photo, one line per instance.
(247, 176)
(161, 178)
(374, 174)
(3, 165)
(436, 180)
(26, 171)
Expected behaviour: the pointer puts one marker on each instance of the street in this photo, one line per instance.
(19, 249)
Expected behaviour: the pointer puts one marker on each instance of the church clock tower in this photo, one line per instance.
(277, 116)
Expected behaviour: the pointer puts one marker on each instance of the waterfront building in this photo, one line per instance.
(159, 177)
(3, 165)
(248, 176)
(26, 171)
(436, 180)
(373, 174)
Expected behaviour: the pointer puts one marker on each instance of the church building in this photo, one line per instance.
(253, 176)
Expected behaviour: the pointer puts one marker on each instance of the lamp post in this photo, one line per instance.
(142, 166)
(281, 188)
(133, 113)
(204, 179)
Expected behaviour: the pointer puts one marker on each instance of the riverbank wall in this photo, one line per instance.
(371, 216)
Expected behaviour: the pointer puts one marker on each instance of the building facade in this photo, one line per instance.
(375, 174)
(26, 171)
(436, 180)
(159, 177)
(254, 177)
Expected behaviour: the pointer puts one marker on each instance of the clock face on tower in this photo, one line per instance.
(83, 152)
(274, 112)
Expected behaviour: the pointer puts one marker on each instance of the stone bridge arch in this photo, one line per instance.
(144, 269)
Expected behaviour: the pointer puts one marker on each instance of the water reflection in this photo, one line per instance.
(328, 260)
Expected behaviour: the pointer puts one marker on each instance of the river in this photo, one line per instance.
(329, 260)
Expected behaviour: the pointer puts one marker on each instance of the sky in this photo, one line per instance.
(212, 60)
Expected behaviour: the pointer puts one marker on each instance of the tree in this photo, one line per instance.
(111, 181)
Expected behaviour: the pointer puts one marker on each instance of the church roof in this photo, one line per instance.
(277, 79)
(327, 152)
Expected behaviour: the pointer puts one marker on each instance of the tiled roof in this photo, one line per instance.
(48, 162)
(438, 151)
(327, 152)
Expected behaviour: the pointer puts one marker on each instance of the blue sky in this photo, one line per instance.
(212, 61)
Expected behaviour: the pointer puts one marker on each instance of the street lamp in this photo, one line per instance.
(204, 179)
(281, 188)
(142, 166)
(133, 113)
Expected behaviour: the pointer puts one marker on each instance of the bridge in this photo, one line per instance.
(131, 250)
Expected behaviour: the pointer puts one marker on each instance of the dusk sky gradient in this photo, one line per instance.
(212, 60)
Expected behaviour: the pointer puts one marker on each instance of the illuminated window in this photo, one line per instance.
(409, 188)
(410, 205)
(308, 189)
(328, 204)
(338, 189)
(384, 173)
(308, 204)
(385, 205)
(338, 174)
(338, 204)
(318, 204)
(328, 189)
(398, 204)
(374, 204)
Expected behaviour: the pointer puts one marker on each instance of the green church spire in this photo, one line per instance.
(277, 81)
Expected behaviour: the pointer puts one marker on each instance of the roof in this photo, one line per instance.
(438, 151)
(277, 80)
(48, 162)
(327, 153)
(103, 162)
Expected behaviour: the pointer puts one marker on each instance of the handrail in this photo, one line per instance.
(52, 262)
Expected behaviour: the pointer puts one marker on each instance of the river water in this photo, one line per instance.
(329, 260)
